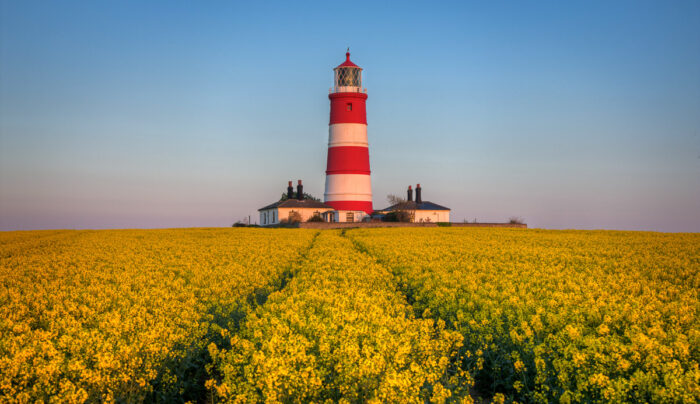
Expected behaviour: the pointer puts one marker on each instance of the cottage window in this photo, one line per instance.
(350, 217)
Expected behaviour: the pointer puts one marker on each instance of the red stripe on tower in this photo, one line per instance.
(348, 185)
(348, 108)
(348, 160)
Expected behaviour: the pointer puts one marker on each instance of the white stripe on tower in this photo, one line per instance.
(347, 134)
(348, 187)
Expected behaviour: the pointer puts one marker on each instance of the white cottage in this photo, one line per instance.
(293, 208)
(420, 211)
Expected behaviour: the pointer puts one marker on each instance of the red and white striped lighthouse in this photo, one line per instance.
(348, 186)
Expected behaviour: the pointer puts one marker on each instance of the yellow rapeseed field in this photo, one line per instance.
(363, 315)
(340, 331)
(565, 316)
(124, 315)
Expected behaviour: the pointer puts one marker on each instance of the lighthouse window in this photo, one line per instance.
(348, 107)
(348, 77)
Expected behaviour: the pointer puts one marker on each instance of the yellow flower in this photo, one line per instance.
(519, 365)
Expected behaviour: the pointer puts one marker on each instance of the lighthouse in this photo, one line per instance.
(348, 185)
(348, 195)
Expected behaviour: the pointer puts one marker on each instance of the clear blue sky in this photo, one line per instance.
(149, 114)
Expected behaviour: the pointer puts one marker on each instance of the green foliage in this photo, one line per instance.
(306, 196)
(391, 217)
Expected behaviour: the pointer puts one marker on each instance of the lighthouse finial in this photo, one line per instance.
(347, 54)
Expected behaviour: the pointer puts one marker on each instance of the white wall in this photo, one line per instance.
(341, 215)
(269, 217)
(432, 216)
(306, 213)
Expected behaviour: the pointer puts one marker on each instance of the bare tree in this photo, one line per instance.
(404, 211)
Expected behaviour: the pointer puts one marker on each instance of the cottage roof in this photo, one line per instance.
(412, 205)
(296, 203)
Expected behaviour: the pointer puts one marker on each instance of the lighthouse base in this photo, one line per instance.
(364, 206)
(345, 216)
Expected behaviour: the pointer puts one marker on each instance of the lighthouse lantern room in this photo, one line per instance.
(348, 185)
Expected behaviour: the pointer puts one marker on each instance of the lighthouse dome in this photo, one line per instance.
(348, 62)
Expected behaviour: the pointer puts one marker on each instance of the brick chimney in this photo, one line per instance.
(410, 194)
(290, 191)
(418, 195)
(300, 191)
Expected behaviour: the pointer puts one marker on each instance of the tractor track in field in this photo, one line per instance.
(195, 365)
(409, 294)
(321, 308)
(406, 291)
